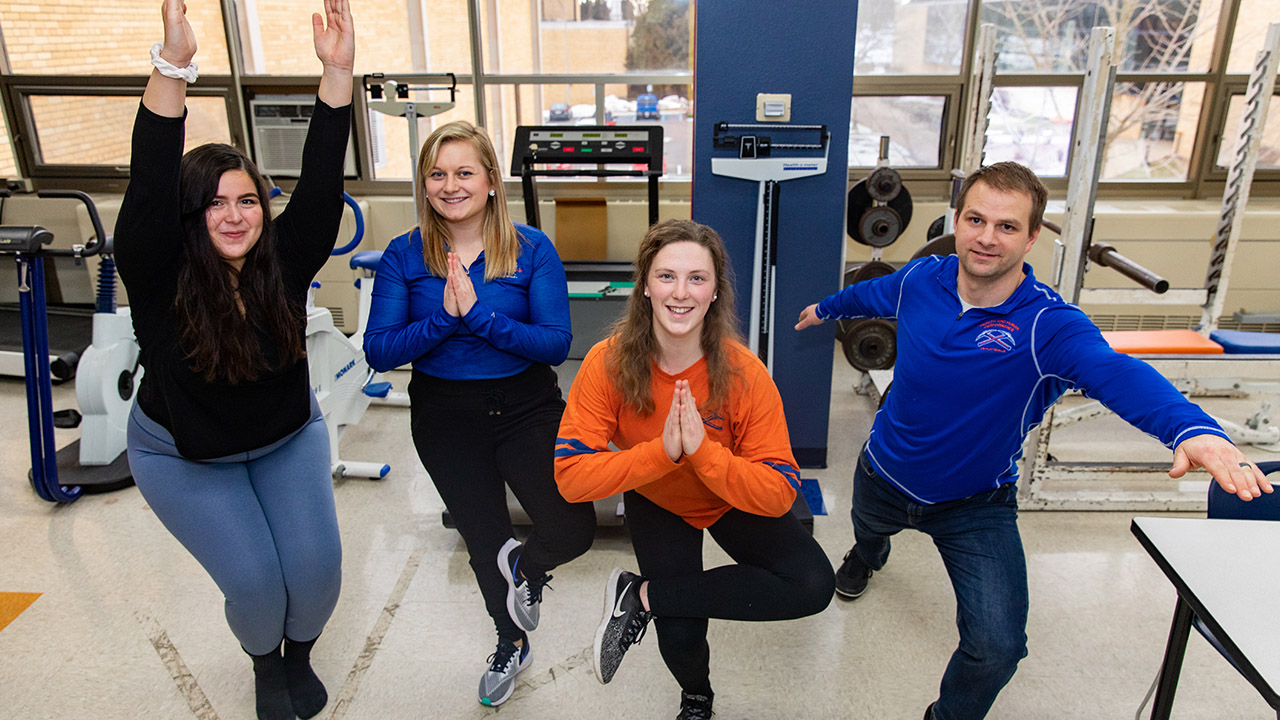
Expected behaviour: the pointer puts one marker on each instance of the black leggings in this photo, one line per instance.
(782, 574)
(474, 437)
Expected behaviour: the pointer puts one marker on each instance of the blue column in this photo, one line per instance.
(746, 47)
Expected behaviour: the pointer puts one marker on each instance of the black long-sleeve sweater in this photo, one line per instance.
(217, 419)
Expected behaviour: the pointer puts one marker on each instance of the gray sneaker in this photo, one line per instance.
(524, 597)
(500, 679)
(623, 624)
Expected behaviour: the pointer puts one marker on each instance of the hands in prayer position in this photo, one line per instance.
(683, 432)
(459, 293)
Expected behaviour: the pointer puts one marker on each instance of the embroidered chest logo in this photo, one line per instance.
(715, 421)
(997, 336)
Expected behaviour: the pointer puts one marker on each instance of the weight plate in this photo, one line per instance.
(880, 226)
(941, 245)
(871, 344)
(859, 202)
(884, 184)
(856, 274)
(936, 228)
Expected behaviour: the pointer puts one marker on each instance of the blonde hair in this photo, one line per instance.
(501, 242)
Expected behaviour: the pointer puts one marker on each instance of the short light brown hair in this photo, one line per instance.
(1009, 176)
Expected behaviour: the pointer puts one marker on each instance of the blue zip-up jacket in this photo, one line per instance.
(967, 388)
(515, 322)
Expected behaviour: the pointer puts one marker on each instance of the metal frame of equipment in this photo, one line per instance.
(756, 162)
(1194, 375)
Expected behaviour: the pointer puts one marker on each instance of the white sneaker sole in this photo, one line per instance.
(610, 598)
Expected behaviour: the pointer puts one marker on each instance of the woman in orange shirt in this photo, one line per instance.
(702, 444)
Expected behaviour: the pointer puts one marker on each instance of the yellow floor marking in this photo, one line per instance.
(12, 604)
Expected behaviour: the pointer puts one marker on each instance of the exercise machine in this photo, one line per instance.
(1193, 362)
(341, 378)
(97, 462)
(597, 288)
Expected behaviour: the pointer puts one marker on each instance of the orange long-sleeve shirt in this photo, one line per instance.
(744, 461)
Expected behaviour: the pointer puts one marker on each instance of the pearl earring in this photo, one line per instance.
(492, 193)
(646, 292)
(714, 298)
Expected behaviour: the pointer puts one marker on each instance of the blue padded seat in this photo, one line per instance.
(369, 260)
(1239, 342)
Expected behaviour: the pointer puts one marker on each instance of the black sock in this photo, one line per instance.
(305, 689)
(271, 692)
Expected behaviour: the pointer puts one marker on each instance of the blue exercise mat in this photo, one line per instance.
(1238, 342)
(813, 496)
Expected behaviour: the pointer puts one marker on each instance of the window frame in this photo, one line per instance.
(1205, 179)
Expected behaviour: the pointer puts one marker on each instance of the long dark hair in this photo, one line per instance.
(635, 347)
(219, 339)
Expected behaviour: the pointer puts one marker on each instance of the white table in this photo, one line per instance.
(1226, 573)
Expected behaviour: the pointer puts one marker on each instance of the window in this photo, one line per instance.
(391, 37)
(912, 122)
(8, 168)
(1032, 126)
(1250, 33)
(909, 37)
(102, 38)
(1151, 130)
(97, 130)
(1269, 152)
(1052, 36)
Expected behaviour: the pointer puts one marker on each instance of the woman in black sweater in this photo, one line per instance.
(226, 441)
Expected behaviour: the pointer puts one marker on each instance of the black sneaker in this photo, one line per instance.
(851, 578)
(695, 707)
(623, 624)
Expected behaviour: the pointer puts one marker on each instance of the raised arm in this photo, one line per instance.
(166, 96)
(335, 41)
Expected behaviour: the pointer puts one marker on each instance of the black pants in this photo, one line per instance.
(474, 437)
(782, 574)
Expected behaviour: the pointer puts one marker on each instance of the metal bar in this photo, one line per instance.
(1235, 197)
(1086, 160)
(978, 106)
(1171, 668)
(477, 59)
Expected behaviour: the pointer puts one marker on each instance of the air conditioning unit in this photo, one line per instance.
(279, 125)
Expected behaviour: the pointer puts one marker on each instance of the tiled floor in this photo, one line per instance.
(128, 626)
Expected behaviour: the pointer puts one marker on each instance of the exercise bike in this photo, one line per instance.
(341, 378)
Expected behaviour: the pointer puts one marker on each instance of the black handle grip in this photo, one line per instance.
(100, 236)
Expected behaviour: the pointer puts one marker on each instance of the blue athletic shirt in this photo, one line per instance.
(516, 321)
(968, 387)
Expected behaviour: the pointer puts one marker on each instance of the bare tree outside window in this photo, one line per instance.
(909, 37)
(1152, 124)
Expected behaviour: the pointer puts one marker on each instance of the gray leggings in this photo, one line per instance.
(262, 524)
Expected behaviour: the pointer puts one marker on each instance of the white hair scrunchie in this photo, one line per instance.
(168, 69)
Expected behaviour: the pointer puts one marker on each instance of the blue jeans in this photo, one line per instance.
(980, 546)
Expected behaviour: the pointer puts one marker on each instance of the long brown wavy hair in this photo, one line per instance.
(501, 242)
(220, 340)
(635, 347)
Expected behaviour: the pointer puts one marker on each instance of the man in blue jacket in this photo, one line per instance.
(983, 350)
